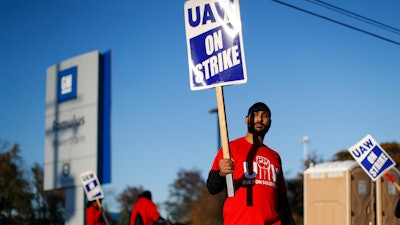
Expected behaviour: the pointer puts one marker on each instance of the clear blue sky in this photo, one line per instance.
(320, 79)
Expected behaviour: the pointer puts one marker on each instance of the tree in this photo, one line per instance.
(295, 198)
(393, 149)
(127, 198)
(48, 205)
(207, 209)
(15, 192)
(190, 203)
(342, 156)
(23, 200)
(184, 191)
(312, 159)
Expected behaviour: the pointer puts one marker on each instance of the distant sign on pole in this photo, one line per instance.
(214, 43)
(91, 185)
(371, 157)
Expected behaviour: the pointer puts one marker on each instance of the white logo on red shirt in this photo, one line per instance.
(267, 173)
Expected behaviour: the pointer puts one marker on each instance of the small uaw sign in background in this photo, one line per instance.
(371, 157)
(91, 185)
(214, 42)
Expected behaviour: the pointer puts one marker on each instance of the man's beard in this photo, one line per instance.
(262, 132)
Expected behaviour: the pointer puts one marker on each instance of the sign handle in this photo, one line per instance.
(391, 179)
(224, 136)
(102, 211)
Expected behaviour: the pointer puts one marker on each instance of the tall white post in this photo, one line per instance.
(378, 196)
(305, 141)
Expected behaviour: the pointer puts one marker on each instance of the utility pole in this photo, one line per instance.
(305, 141)
(215, 110)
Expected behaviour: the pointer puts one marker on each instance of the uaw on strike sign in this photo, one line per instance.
(214, 43)
(371, 157)
(91, 185)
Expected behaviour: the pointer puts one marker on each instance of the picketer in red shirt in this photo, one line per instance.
(260, 191)
(144, 211)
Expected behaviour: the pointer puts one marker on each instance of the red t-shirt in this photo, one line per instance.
(147, 209)
(93, 216)
(258, 181)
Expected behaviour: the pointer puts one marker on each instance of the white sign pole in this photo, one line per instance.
(224, 136)
(378, 196)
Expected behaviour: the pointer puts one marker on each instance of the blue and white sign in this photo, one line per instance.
(215, 43)
(66, 84)
(371, 157)
(91, 185)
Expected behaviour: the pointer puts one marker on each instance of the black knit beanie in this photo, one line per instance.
(259, 106)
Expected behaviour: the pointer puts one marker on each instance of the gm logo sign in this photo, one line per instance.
(66, 84)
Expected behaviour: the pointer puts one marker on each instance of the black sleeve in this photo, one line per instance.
(215, 183)
(286, 213)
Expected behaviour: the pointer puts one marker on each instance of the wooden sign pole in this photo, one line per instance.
(224, 137)
(102, 211)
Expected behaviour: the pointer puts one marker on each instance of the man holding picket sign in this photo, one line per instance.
(94, 211)
(261, 196)
(216, 59)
